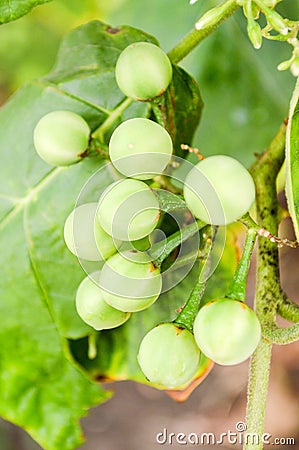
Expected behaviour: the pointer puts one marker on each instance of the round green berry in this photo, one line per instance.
(140, 148)
(92, 308)
(60, 137)
(169, 356)
(128, 210)
(143, 71)
(84, 236)
(227, 331)
(219, 190)
(130, 281)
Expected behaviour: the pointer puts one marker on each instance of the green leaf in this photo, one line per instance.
(179, 109)
(41, 387)
(13, 9)
(292, 160)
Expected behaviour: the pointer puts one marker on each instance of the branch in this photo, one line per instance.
(288, 309)
(281, 336)
(268, 289)
(196, 36)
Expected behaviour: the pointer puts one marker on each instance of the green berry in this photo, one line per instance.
(227, 331)
(84, 236)
(219, 190)
(92, 308)
(169, 356)
(140, 148)
(130, 281)
(128, 210)
(143, 71)
(60, 137)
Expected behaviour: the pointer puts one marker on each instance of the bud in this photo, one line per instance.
(209, 19)
(284, 65)
(255, 34)
(212, 17)
(295, 67)
(276, 22)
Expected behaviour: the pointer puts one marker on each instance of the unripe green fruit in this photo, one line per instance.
(143, 71)
(84, 236)
(94, 310)
(227, 331)
(140, 148)
(169, 356)
(128, 210)
(219, 190)
(130, 281)
(60, 137)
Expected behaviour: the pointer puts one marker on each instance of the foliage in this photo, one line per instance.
(48, 358)
(13, 9)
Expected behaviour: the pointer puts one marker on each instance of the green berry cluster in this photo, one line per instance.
(115, 229)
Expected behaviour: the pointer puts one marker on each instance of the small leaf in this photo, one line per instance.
(292, 160)
(13, 9)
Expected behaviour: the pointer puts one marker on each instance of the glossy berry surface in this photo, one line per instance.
(140, 148)
(92, 308)
(219, 190)
(130, 282)
(128, 210)
(227, 331)
(60, 137)
(143, 71)
(169, 356)
(84, 236)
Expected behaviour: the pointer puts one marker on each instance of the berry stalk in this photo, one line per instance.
(237, 290)
(187, 315)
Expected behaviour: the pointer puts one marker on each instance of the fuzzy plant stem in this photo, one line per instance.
(268, 289)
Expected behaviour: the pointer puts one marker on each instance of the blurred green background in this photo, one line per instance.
(245, 97)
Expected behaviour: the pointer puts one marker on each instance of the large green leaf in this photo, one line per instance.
(13, 9)
(292, 160)
(42, 388)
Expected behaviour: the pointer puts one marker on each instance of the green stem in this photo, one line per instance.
(268, 289)
(160, 251)
(281, 336)
(238, 287)
(257, 393)
(249, 222)
(288, 309)
(189, 311)
(194, 37)
(105, 126)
